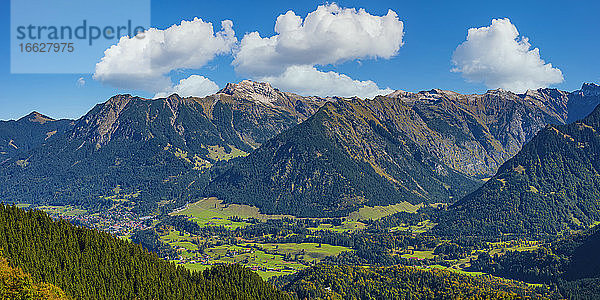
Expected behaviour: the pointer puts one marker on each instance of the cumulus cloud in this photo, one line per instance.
(144, 62)
(496, 56)
(307, 80)
(328, 35)
(195, 85)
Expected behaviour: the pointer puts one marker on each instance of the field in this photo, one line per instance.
(421, 227)
(267, 259)
(378, 212)
(212, 212)
(67, 210)
(496, 248)
(272, 259)
(419, 255)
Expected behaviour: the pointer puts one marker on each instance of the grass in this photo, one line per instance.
(212, 212)
(267, 264)
(63, 210)
(218, 153)
(347, 226)
(175, 236)
(267, 259)
(420, 255)
(186, 245)
(378, 212)
(421, 227)
(312, 251)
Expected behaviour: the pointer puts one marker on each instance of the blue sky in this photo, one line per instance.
(565, 33)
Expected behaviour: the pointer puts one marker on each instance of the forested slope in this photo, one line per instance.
(551, 185)
(87, 264)
(400, 282)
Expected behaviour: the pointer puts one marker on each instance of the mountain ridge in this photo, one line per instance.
(415, 147)
(549, 187)
(159, 147)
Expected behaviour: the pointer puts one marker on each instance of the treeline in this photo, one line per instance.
(84, 177)
(400, 282)
(87, 264)
(150, 240)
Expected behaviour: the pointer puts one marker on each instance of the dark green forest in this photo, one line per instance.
(87, 264)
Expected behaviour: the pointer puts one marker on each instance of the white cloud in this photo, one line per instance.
(328, 35)
(306, 80)
(144, 63)
(80, 82)
(496, 56)
(195, 85)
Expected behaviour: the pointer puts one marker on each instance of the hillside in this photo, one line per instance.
(28, 132)
(570, 263)
(153, 149)
(335, 162)
(473, 134)
(583, 101)
(87, 264)
(427, 147)
(550, 186)
(399, 282)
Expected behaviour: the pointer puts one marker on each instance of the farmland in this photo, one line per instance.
(268, 259)
(274, 245)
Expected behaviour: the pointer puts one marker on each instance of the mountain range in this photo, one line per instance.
(284, 153)
(425, 147)
(154, 148)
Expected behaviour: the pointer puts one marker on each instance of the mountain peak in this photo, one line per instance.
(36, 117)
(258, 91)
(398, 94)
(499, 91)
(590, 89)
(119, 100)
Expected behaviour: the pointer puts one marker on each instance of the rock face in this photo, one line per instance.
(245, 114)
(266, 110)
(157, 148)
(28, 132)
(420, 147)
(473, 134)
